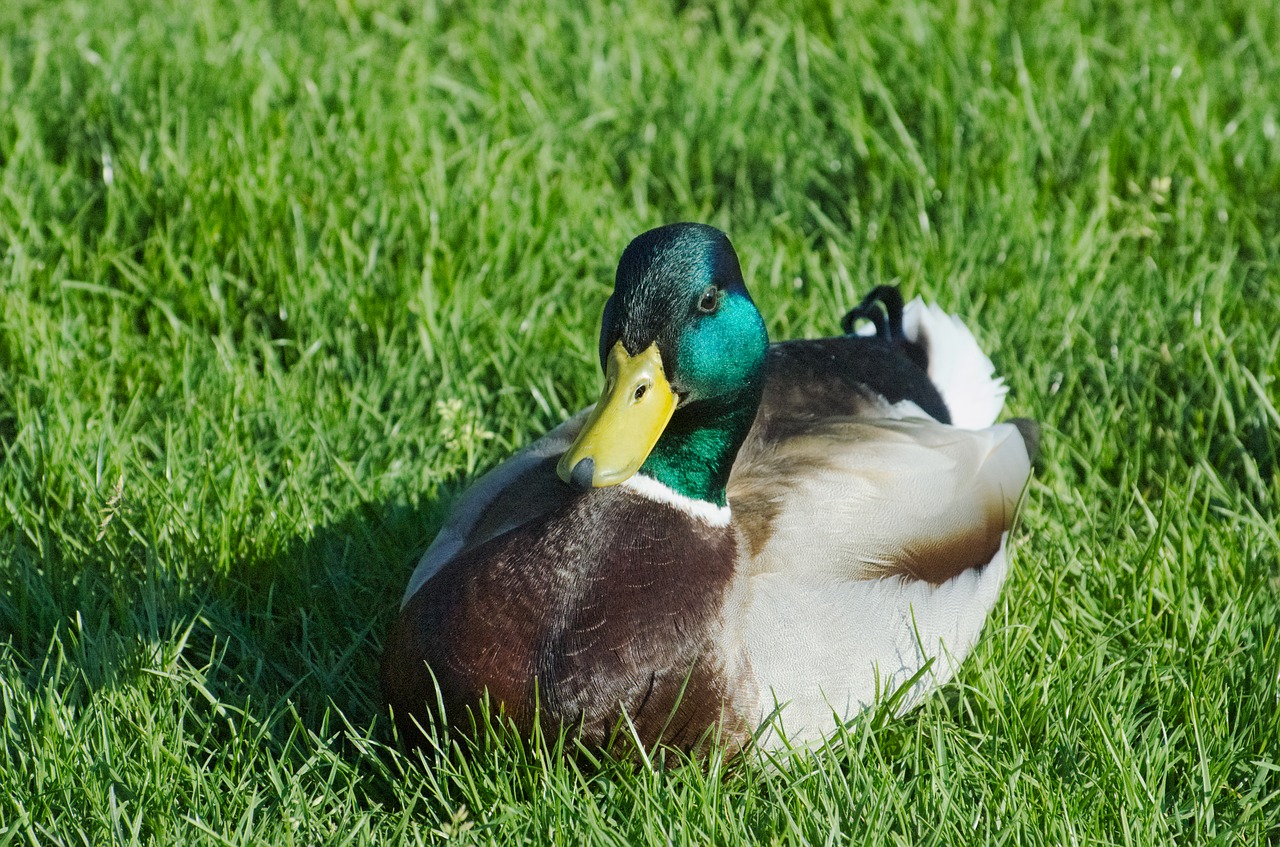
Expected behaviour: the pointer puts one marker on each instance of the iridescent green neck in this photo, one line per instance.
(696, 452)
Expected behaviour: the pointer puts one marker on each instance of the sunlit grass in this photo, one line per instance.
(278, 278)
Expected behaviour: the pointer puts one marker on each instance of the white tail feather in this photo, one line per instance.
(962, 373)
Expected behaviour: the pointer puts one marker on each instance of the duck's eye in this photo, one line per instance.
(710, 300)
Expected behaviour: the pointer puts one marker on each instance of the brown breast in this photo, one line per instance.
(609, 603)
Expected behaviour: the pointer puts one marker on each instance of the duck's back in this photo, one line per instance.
(843, 377)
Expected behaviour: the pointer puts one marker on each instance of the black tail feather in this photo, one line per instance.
(883, 309)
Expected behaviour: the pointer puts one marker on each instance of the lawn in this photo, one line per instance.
(279, 277)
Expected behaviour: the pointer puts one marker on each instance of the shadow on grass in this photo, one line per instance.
(272, 665)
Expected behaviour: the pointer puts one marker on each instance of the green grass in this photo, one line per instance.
(278, 277)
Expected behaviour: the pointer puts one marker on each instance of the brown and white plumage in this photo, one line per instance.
(907, 558)
(861, 549)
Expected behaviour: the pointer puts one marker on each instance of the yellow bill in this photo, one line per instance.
(628, 420)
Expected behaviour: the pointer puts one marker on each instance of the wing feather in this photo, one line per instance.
(515, 492)
(865, 499)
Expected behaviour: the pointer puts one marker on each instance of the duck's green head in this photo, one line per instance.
(683, 349)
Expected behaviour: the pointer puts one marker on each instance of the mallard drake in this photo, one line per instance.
(740, 539)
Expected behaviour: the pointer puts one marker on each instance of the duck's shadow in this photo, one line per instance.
(313, 617)
(275, 657)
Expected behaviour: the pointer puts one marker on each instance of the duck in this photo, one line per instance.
(741, 543)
